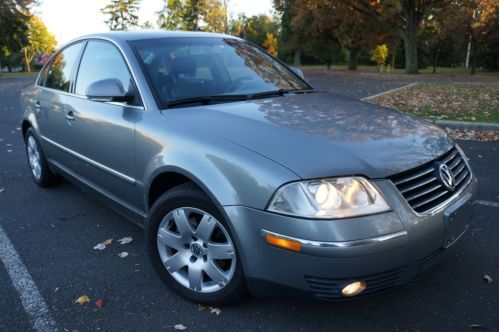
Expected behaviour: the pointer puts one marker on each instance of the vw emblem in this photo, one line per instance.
(446, 176)
(197, 250)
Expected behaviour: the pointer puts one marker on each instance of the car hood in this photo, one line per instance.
(321, 135)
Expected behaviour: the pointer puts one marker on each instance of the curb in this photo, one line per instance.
(389, 91)
(467, 125)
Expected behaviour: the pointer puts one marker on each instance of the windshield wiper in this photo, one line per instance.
(206, 100)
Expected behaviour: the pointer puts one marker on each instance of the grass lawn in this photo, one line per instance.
(19, 74)
(449, 101)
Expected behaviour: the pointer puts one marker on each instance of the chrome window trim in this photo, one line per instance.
(115, 103)
(90, 161)
(338, 244)
(120, 49)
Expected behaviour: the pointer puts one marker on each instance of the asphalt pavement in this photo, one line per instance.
(53, 232)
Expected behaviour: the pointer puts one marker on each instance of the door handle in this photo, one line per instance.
(37, 107)
(70, 118)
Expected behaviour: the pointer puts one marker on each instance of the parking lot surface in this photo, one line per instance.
(53, 232)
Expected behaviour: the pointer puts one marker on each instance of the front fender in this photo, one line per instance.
(229, 174)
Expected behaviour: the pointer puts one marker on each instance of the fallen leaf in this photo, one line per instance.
(1, 190)
(480, 156)
(56, 289)
(82, 300)
(9, 150)
(8, 144)
(100, 246)
(123, 254)
(125, 240)
(179, 327)
(108, 242)
(99, 303)
(487, 278)
(201, 307)
(215, 311)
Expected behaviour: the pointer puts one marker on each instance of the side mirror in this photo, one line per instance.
(110, 89)
(298, 72)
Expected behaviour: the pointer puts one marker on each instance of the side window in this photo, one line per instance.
(59, 74)
(102, 60)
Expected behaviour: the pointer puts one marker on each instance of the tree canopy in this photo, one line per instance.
(39, 40)
(122, 14)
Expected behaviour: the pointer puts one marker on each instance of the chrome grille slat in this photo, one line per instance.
(419, 184)
(455, 163)
(415, 176)
(450, 157)
(456, 173)
(425, 192)
(429, 200)
(422, 187)
(459, 180)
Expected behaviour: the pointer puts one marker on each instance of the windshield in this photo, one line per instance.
(186, 68)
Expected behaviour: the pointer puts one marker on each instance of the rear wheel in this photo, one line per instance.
(190, 246)
(42, 174)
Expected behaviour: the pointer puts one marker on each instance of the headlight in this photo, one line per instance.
(328, 198)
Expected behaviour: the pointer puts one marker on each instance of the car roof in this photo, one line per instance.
(150, 34)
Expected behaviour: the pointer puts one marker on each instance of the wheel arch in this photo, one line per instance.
(168, 177)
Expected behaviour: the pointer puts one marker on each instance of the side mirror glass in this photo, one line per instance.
(110, 89)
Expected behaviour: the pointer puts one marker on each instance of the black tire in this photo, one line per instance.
(189, 195)
(46, 177)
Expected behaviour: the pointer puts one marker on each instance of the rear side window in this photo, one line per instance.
(59, 74)
(100, 61)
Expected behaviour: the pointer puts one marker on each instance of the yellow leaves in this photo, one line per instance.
(108, 242)
(84, 299)
(270, 43)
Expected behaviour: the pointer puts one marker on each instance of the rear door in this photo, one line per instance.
(102, 133)
(55, 84)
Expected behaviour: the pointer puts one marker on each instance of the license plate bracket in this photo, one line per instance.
(457, 219)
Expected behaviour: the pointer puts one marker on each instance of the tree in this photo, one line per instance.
(39, 40)
(194, 15)
(270, 43)
(215, 16)
(353, 31)
(403, 17)
(14, 17)
(480, 21)
(380, 55)
(292, 39)
(255, 28)
(171, 17)
(123, 14)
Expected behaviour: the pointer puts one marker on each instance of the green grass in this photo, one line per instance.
(19, 74)
(447, 101)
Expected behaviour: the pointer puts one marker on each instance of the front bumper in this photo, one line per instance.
(383, 250)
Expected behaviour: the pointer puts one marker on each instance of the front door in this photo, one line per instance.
(102, 133)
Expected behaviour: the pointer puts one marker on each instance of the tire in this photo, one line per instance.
(188, 249)
(40, 170)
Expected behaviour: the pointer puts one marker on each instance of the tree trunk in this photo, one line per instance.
(354, 57)
(473, 57)
(435, 62)
(411, 39)
(297, 58)
(411, 52)
(27, 61)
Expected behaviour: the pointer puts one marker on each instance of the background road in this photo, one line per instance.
(54, 232)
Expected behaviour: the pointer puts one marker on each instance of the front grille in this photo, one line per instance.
(421, 186)
(330, 288)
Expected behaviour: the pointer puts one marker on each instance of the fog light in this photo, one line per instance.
(354, 288)
(283, 243)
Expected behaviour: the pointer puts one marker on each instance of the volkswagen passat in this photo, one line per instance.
(244, 177)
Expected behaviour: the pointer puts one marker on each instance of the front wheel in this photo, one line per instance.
(191, 248)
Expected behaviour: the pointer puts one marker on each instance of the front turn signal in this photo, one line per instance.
(283, 243)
